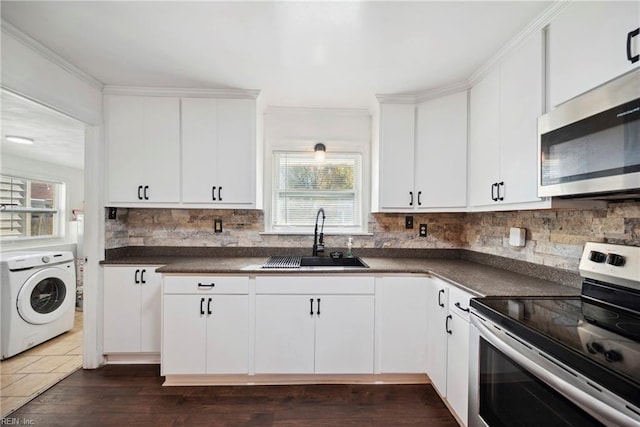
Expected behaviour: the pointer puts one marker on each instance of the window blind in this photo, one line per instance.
(302, 186)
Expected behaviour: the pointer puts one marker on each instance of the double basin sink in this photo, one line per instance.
(313, 262)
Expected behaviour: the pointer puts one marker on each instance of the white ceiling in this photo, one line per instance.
(310, 54)
(303, 54)
(58, 139)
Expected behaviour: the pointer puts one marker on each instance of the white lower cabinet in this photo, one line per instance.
(448, 357)
(322, 325)
(131, 309)
(403, 324)
(205, 326)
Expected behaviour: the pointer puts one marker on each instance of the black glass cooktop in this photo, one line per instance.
(597, 340)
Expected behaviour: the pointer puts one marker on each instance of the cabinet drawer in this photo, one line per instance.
(206, 285)
(459, 302)
(316, 285)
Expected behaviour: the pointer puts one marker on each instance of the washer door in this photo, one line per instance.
(46, 296)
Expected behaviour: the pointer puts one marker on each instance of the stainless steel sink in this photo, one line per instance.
(313, 262)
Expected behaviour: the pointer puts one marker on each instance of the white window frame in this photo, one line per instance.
(58, 212)
(270, 174)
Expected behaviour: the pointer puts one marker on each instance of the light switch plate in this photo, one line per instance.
(217, 226)
(408, 222)
(517, 236)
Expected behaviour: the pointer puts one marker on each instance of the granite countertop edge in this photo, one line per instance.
(480, 279)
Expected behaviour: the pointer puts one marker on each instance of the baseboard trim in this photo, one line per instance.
(132, 358)
(293, 379)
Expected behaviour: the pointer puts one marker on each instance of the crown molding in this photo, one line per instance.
(534, 26)
(441, 91)
(44, 51)
(181, 92)
(396, 98)
(304, 110)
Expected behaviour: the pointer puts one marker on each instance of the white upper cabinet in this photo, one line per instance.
(171, 152)
(422, 155)
(143, 143)
(590, 43)
(441, 152)
(218, 151)
(397, 141)
(504, 109)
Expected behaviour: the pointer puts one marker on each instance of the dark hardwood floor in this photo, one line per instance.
(119, 395)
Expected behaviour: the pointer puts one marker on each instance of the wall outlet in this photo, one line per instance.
(423, 230)
(408, 222)
(217, 226)
(113, 212)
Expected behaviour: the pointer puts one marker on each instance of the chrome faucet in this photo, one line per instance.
(318, 243)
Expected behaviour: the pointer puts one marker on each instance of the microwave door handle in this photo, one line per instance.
(590, 404)
(630, 37)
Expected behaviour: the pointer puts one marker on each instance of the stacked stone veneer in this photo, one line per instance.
(554, 237)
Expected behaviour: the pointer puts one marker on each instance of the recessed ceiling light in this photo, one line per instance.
(20, 140)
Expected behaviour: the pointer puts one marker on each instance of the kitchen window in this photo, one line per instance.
(29, 208)
(301, 186)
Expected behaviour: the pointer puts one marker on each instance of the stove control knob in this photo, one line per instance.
(615, 259)
(612, 356)
(46, 259)
(596, 256)
(594, 347)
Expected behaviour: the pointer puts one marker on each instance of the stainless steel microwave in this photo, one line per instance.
(590, 145)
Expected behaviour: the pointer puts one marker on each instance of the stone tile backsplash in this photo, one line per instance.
(554, 237)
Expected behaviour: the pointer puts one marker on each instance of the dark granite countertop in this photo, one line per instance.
(475, 275)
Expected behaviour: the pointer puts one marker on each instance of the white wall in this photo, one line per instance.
(73, 178)
(31, 70)
(302, 128)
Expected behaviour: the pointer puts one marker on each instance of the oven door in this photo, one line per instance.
(513, 384)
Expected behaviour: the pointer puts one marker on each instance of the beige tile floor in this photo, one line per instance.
(26, 375)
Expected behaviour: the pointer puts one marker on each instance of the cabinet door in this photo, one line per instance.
(150, 303)
(284, 340)
(143, 135)
(199, 150)
(520, 106)
(441, 152)
(344, 334)
(184, 341)
(458, 366)
(236, 151)
(437, 317)
(228, 334)
(122, 306)
(483, 140)
(397, 138)
(403, 321)
(587, 46)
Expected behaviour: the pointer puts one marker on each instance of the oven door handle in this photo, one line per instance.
(588, 403)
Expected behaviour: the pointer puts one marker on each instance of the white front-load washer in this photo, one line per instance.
(38, 298)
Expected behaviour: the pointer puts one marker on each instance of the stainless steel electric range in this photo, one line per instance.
(558, 361)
